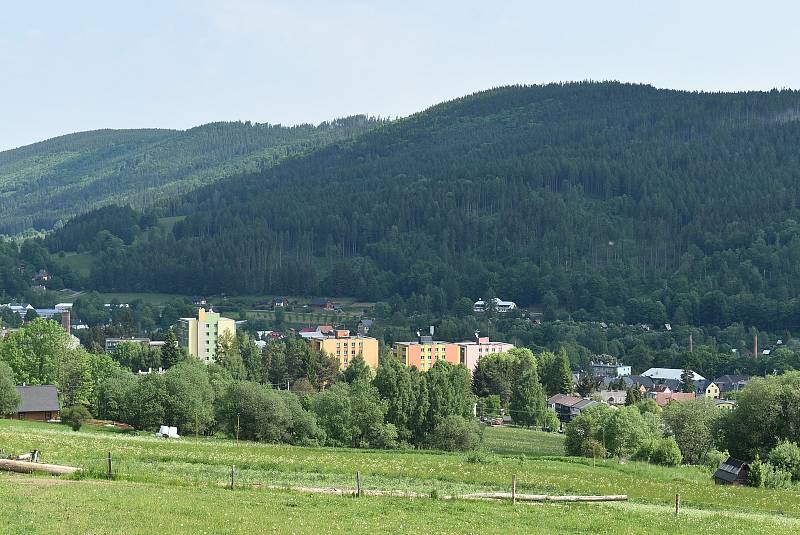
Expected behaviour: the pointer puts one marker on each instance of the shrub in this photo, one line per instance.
(775, 477)
(595, 448)
(75, 416)
(713, 459)
(756, 476)
(645, 451)
(456, 433)
(786, 456)
(667, 453)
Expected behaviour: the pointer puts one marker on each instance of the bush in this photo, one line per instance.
(456, 433)
(775, 477)
(645, 451)
(713, 459)
(786, 456)
(75, 416)
(667, 453)
(551, 422)
(756, 476)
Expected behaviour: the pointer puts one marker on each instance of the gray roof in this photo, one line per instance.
(729, 469)
(38, 398)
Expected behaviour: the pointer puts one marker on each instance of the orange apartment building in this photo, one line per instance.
(345, 347)
(426, 352)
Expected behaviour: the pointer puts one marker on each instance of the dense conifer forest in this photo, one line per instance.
(51, 181)
(620, 201)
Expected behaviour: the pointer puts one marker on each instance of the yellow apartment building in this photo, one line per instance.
(200, 334)
(345, 347)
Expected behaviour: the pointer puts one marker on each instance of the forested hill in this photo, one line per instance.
(43, 183)
(618, 199)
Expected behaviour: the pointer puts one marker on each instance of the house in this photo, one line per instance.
(39, 403)
(472, 352)
(498, 305)
(607, 366)
(279, 302)
(42, 275)
(666, 397)
(19, 308)
(112, 343)
(323, 303)
(731, 383)
(425, 352)
(198, 300)
(613, 397)
(630, 381)
(344, 347)
(711, 391)
(732, 472)
(568, 407)
(727, 404)
(364, 326)
(63, 306)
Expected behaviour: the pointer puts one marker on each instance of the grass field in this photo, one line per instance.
(192, 473)
(516, 440)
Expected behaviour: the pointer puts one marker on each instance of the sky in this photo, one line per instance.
(83, 65)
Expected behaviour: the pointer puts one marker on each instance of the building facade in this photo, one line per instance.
(424, 353)
(200, 334)
(37, 403)
(472, 352)
(345, 347)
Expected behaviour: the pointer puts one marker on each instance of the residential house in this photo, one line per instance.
(613, 397)
(608, 367)
(279, 302)
(732, 472)
(498, 305)
(198, 300)
(39, 403)
(323, 303)
(731, 383)
(425, 352)
(112, 343)
(472, 352)
(568, 407)
(364, 326)
(667, 396)
(344, 347)
(200, 334)
(727, 404)
(42, 275)
(711, 391)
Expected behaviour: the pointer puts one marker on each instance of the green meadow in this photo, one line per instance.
(157, 482)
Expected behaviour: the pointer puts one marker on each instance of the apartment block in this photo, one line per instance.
(472, 352)
(344, 347)
(424, 353)
(200, 334)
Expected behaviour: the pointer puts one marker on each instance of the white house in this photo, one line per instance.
(499, 305)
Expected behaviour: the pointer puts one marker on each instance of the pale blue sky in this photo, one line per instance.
(75, 65)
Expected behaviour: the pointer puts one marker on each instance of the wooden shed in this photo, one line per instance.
(732, 472)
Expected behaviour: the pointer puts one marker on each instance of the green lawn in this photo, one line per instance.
(33, 505)
(517, 440)
(187, 463)
(80, 263)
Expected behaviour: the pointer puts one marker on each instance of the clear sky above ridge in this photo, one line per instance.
(83, 65)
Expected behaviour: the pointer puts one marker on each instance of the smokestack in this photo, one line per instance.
(431, 331)
(755, 345)
(691, 346)
(66, 321)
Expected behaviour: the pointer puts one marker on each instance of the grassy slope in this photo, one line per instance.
(206, 463)
(35, 505)
(516, 440)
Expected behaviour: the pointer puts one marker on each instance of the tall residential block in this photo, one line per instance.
(200, 334)
(424, 353)
(471, 352)
(344, 347)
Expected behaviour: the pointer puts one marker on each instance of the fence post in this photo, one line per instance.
(233, 475)
(358, 483)
(514, 489)
(110, 473)
(677, 504)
